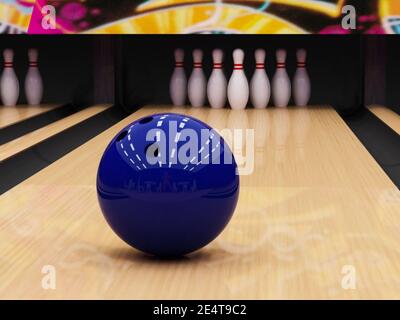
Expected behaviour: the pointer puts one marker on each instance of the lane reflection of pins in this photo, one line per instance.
(238, 122)
(281, 130)
(217, 118)
(301, 125)
(260, 121)
(199, 113)
(13, 112)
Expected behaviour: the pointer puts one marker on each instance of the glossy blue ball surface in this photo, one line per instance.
(167, 184)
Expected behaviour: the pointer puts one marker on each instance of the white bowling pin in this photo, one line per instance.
(238, 87)
(216, 87)
(301, 80)
(178, 83)
(9, 85)
(197, 81)
(281, 87)
(260, 88)
(33, 80)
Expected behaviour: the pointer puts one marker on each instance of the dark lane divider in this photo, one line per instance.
(18, 129)
(26, 163)
(381, 141)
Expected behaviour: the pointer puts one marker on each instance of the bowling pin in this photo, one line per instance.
(197, 81)
(33, 80)
(260, 88)
(178, 83)
(281, 87)
(238, 87)
(216, 87)
(9, 85)
(301, 80)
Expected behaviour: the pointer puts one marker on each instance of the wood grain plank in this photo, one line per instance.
(12, 115)
(388, 116)
(13, 147)
(315, 204)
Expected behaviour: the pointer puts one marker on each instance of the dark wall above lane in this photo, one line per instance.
(65, 63)
(136, 70)
(392, 69)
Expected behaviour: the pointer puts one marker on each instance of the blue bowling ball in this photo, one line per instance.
(167, 184)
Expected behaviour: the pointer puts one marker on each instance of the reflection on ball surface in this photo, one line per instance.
(167, 184)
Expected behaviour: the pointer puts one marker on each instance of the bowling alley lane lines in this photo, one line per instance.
(380, 139)
(388, 116)
(27, 162)
(316, 210)
(12, 115)
(15, 146)
(19, 128)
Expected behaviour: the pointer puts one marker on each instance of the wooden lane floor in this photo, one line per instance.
(317, 218)
(12, 115)
(13, 147)
(388, 116)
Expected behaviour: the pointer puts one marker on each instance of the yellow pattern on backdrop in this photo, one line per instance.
(332, 10)
(10, 15)
(389, 12)
(202, 18)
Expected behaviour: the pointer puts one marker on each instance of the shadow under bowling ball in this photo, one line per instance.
(128, 254)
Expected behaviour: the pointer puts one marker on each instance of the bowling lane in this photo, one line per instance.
(12, 115)
(316, 207)
(13, 147)
(388, 116)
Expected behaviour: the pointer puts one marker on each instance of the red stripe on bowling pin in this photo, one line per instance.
(197, 65)
(238, 66)
(259, 65)
(217, 66)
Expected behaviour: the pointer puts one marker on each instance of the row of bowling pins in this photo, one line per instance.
(9, 84)
(237, 90)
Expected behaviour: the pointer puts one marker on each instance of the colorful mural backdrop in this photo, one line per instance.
(198, 16)
(15, 15)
